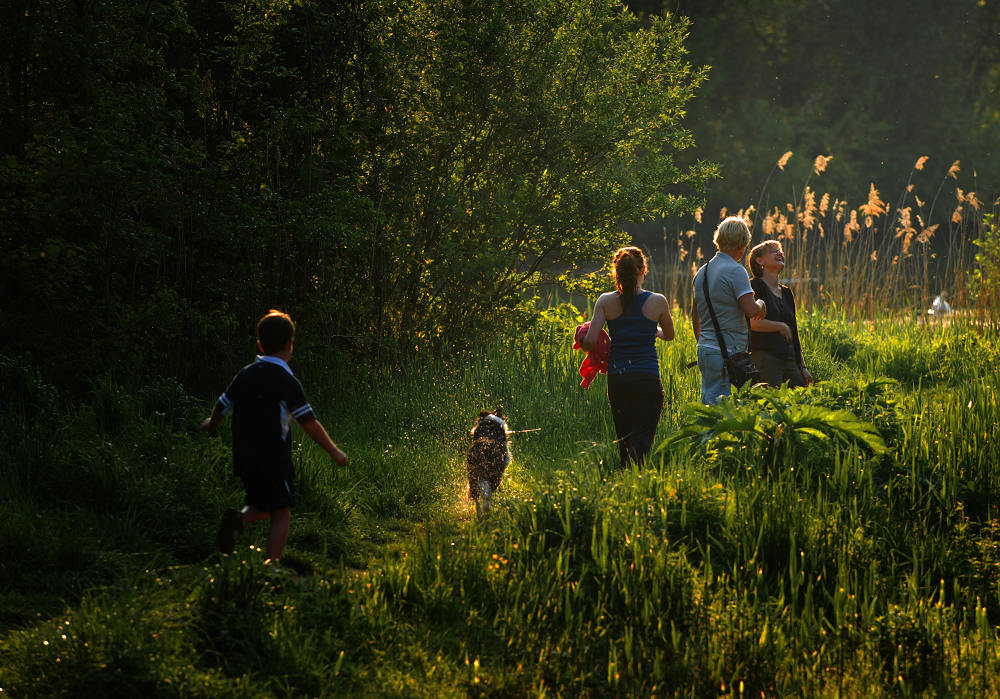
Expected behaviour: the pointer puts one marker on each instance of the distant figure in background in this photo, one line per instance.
(774, 340)
(635, 318)
(940, 306)
(733, 301)
(263, 398)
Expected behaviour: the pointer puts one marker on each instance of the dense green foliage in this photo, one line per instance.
(398, 174)
(839, 540)
(985, 278)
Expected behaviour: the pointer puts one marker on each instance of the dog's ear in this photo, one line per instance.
(499, 412)
(482, 414)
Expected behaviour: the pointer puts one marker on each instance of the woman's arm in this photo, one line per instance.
(695, 320)
(665, 331)
(589, 341)
(771, 326)
(751, 307)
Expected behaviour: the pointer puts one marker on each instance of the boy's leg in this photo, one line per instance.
(272, 499)
(278, 535)
(230, 528)
(252, 514)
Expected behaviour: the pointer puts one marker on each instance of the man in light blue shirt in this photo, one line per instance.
(733, 301)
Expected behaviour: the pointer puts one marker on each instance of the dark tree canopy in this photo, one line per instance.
(399, 174)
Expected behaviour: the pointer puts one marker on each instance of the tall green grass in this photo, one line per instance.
(828, 542)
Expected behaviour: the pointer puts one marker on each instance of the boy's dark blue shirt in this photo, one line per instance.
(262, 399)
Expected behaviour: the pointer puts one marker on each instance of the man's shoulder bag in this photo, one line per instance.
(739, 366)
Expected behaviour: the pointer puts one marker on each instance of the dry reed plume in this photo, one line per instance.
(866, 260)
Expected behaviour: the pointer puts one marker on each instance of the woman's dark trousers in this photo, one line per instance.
(636, 402)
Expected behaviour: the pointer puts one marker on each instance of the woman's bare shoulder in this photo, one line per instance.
(656, 299)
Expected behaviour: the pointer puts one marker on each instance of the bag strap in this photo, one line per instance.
(715, 321)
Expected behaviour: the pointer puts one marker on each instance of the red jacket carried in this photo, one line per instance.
(597, 359)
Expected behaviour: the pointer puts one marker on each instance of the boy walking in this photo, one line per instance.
(263, 398)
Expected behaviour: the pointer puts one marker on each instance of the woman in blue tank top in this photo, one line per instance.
(635, 318)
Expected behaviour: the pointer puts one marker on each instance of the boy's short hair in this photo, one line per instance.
(275, 331)
(732, 234)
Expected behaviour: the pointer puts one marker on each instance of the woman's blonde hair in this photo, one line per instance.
(759, 250)
(732, 234)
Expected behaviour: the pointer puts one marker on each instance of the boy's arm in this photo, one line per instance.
(315, 429)
(213, 420)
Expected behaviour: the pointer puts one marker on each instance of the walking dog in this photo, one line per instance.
(487, 458)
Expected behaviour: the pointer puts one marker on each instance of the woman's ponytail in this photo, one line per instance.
(629, 263)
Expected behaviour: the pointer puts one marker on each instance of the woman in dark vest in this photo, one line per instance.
(635, 318)
(774, 340)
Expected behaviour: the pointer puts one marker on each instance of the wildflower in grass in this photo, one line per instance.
(783, 160)
(921, 161)
(697, 214)
(956, 215)
(920, 203)
(821, 162)
(953, 170)
(973, 200)
(925, 235)
(824, 203)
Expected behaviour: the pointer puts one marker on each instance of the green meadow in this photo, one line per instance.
(832, 541)
(409, 179)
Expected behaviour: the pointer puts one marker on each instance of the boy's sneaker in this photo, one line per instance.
(230, 527)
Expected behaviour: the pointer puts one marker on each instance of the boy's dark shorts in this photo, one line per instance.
(269, 495)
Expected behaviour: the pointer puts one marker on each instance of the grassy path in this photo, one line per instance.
(775, 548)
